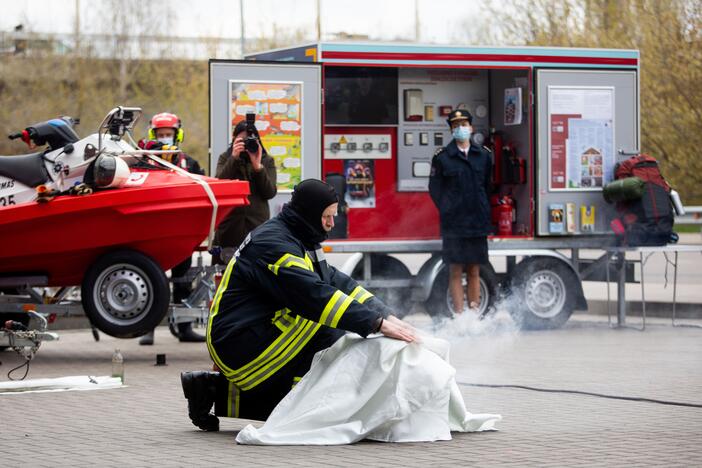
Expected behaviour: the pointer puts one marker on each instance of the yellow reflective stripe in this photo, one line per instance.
(213, 311)
(296, 263)
(365, 297)
(340, 311)
(360, 294)
(330, 306)
(236, 400)
(290, 260)
(308, 261)
(283, 320)
(268, 354)
(233, 396)
(357, 291)
(299, 343)
(287, 320)
(222, 287)
(229, 399)
(295, 381)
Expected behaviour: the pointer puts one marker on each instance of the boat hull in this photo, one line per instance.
(166, 216)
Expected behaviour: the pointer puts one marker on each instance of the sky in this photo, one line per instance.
(440, 22)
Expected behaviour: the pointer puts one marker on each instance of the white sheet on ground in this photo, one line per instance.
(375, 388)
(60, 384)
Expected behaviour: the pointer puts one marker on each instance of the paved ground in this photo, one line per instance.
(145, 423)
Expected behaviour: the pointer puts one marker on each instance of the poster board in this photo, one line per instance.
(278, 109)
(581, 153)
(591, 213)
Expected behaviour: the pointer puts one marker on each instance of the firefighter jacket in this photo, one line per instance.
(275, 295)
(459, 185)
(242, 220)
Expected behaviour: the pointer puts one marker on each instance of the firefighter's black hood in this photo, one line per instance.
(304, 212)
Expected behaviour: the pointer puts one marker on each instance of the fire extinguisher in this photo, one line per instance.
(505, 216)
(494, 210)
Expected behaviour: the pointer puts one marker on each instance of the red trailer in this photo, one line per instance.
(369, 117)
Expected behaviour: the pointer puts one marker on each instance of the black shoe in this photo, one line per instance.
(147, 339)
(200, 389)
(186, 334)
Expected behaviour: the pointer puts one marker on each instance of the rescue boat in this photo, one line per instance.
(100, 214)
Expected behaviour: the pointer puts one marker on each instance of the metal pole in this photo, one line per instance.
(621, 289)
(319, 22)
(609, 315)
(241, 15)
(416, 20)
(643, 295)
(77, 28)
(675, 284)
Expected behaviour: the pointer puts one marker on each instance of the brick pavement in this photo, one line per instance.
(145, 423)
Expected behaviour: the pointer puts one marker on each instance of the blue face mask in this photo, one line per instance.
(461, 133)
(166, 141)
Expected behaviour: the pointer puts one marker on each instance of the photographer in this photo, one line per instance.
(245, 159)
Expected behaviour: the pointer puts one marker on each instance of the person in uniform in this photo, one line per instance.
(459, 185)
(166, 131)
(278, 304)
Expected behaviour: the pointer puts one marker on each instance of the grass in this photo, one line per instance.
(685, 228)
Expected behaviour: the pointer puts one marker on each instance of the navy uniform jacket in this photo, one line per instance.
(460, 188)
(277, 296)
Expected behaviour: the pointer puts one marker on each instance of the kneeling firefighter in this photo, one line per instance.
(279, 303)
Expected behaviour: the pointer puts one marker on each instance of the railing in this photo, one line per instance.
(693, 215)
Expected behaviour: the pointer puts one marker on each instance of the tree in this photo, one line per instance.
(668, 36)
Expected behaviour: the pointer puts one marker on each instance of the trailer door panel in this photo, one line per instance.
(584, 119)
(286, 98)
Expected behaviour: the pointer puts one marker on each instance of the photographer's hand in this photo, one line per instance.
(237, 147)
(256, 158)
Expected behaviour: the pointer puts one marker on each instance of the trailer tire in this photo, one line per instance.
(439, 303)
(125, 294)
(385, 267)
(544, 291)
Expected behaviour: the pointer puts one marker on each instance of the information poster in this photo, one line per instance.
(278, 109)
(581, 137)
(513, 106)
(360, 183)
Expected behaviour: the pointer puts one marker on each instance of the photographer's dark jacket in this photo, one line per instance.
(279, 302)
(459, 185)
(232, 231)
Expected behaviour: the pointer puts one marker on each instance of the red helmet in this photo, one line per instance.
(166, 120)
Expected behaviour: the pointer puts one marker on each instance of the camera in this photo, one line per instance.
(251, 142)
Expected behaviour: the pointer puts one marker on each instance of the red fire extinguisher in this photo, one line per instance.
(505, 216)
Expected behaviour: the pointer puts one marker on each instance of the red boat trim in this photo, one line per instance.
(390, 56)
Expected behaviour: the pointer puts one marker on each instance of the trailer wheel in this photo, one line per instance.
(545, 293)
(440, 303)
(385, 267)
(125, 294)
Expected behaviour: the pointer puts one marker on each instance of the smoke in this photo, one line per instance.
(497, 323)
(478, 345)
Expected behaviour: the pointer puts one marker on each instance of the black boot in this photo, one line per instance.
(200, 389)
(186, 334)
